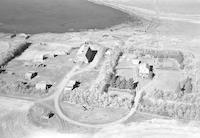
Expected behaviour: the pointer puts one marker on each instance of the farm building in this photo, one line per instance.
(144, 70)
(60, 53)
(90, 54)
(43, 85)
(86, 53)
(49, 55)
(108, 52)
(2, 69)
(136, 62)
(72, 85)
(30, 75)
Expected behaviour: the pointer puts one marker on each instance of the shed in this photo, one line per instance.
(86, 52)
(60, 53)
(108, 52)
(72, 85)
(38, 58)
(43, 85)
(49, 55)
(144, 70)
(136, 62)
(2, 69)
(30, 75)
(69, 85)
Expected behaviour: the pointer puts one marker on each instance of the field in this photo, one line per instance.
(14, 125)
(13, 117)
(14, 82)
(93, 115)
(111, 86)
(172, 93)
(86, 79)
(4, 47)
(166, 81)
(11, 48)
(141, 117)
(38, 115)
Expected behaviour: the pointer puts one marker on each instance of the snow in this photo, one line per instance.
(148, 129)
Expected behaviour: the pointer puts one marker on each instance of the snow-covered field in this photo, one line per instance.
(147, 129)
(182, 10)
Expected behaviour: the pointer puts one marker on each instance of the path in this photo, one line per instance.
(132, 111)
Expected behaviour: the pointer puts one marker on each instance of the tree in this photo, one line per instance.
(193, 112)
(117, 82)
(159, 94)
(123, 84)
(188, 85)
(178, 88)
(113, 81)
(179, 112)
(130, 84)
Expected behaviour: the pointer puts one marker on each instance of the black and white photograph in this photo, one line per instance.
(99, 68)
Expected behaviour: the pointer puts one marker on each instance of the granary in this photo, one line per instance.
(43, 85)
(144, 70)
(30, 75)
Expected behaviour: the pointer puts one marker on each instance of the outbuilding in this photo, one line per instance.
(136, 62)
(49, 55)
(87, 52)
(30, 75)
(90, 54)
(144, 70)
(43, 85)
(72, 85)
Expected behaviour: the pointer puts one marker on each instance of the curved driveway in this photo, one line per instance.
(132, 111)
(59, 89)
